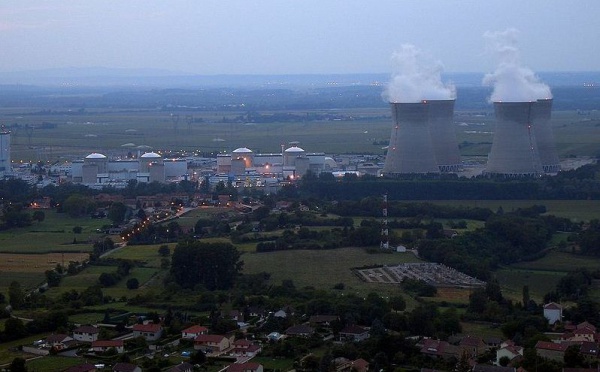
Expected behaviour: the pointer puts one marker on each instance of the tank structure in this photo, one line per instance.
(410, 150)
(443, 135)
(5, 163)
(514, 150)
(544, 136)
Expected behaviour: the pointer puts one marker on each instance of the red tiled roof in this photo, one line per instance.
(550, 346)
(195, 329)
(242, 342)
(209, 338)
(360, 364)
(107, 343)
(150, 327)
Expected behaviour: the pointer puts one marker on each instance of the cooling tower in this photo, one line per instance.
(544, 136)
(5, 164)
(410, 149)
(514, 149)
(443, 136)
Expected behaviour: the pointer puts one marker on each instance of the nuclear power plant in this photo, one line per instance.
(514, 150)
(423, 139)
(544, 136)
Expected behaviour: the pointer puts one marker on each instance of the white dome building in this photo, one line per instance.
(95, 168)
(152, 167)
(291, 154)
(244, 154)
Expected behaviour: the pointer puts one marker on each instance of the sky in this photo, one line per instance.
(209, 37)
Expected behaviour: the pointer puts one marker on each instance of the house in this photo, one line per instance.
(245, 367)
(551, 350)
(553, 312)
(149, 331)
(439, 349)
(345, 365)
(58, 341)
(473, 346)
(322, 320)
(512, 352)
(86, 333)
(354, 333)
(182, 367)
(245, 348)
(194, 331)
(212, 343)
(100, 346)
(126, 367)
(360, 365)
(86, 367)
(589, 351)
(301, 330)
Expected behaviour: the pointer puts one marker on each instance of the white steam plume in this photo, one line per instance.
(512, 82)
(415, 79)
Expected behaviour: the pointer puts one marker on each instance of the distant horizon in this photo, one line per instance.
(141, 78)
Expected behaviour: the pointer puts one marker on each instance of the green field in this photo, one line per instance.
(541, 275)
(53, 363)
(324, 268)
(54, 234)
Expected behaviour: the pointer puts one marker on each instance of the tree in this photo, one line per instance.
(398, 303)
(213, 265)
(17, 365)
(133, 283)
(16, 296)
(77, 229)
(116, 212)
(53, 278)
(14, 328)
(78, 205)
(38, 216)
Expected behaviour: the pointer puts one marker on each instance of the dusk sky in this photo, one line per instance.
(292, 37)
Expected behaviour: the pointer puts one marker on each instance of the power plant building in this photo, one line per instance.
(98, 169)
(514, 150)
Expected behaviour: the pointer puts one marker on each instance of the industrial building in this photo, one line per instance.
(5, 163)
(97, 169)
(514, 150)
(245, 168)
